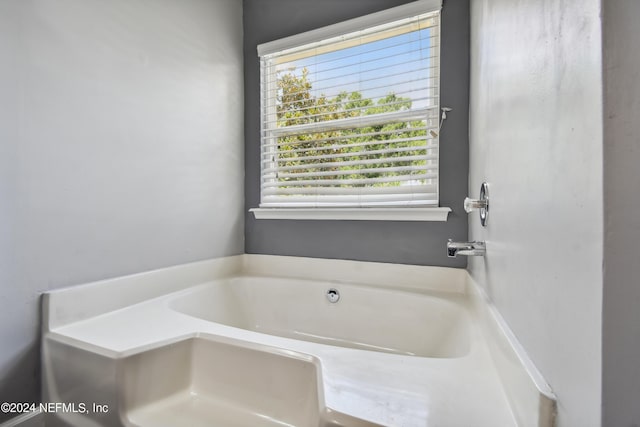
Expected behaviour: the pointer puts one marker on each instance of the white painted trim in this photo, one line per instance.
(356, 24)
(354, 214)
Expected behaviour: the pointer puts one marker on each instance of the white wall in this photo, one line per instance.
(536, 137)
(121, 149)
(621, 317)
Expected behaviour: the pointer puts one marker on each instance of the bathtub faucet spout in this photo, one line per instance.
(465, 248)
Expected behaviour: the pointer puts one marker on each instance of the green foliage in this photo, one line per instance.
(296, 106)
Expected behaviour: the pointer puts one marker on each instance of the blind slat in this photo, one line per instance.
(359, 191)
(361, 162)
(347, 182)
(355, 204)
(346, 199)
(355, 122)
(271, 149)
(360, 112)
(337, 198)
(360, 153)
(385, 170)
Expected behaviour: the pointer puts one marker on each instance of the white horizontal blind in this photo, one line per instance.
(352, 120)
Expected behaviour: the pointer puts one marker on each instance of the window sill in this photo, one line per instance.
(354, 214)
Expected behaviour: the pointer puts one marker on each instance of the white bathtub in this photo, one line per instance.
(364, 317)
(404, 346)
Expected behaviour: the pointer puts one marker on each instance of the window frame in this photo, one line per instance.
(400, 213)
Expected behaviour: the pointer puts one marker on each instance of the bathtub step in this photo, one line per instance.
(187, 409)
(205, 382)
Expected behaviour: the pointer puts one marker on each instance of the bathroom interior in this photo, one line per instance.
(130, 147)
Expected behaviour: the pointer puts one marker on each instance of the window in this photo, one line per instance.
(350, 116)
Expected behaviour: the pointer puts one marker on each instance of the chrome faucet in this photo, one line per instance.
(465, 248)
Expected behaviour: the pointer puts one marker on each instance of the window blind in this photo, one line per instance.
(351, 120)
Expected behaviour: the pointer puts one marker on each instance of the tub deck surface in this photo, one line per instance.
(381, 388)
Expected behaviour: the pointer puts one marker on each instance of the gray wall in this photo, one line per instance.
(121, 150)
(399, 242)
(621, 313)
(536, 137)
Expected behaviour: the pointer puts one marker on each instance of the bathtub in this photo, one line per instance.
(207, 342)
(364, 317)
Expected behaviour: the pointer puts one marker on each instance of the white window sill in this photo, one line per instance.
(354, 214)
